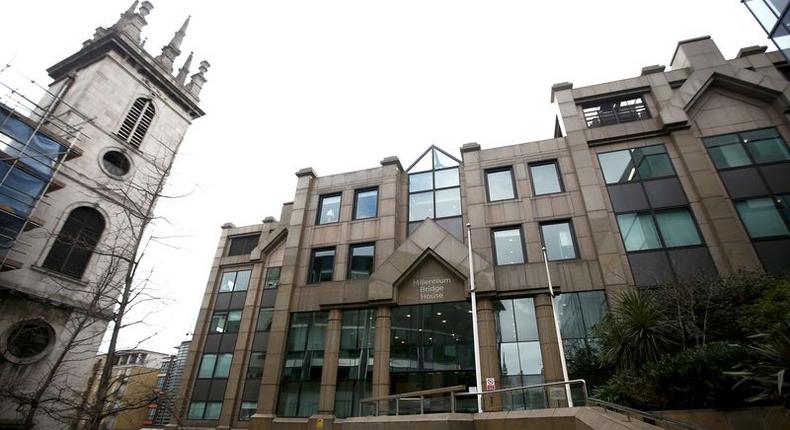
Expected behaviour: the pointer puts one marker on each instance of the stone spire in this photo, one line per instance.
(198, 79)
(171, 50)
(184, 70)
(131, 23)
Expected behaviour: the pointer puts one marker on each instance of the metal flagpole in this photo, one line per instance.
(478, 378)
(557, 328)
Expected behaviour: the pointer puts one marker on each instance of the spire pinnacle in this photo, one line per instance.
(171, 50)
(184, 70)
(131, 23)
(198, 79)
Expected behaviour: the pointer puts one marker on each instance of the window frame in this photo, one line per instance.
(241, 236)
(513, 186)
(214, 368)
(351, 256)
(69, 244)
(568, 221)
(556, 163)
(236, 271)
(433, 189)
(782, 215)
(660, 236)
(630, 154)
(745, 148)
(520, 229)
(320, 208)
(356, 198)
(266, 277)
(312, 261)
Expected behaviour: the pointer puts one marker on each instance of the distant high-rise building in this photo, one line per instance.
(78, 171)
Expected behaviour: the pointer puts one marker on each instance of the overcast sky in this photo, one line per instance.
(339, 85)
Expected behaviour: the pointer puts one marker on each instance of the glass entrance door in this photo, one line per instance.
(431, 347)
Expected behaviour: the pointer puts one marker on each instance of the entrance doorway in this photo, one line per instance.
(431, 347)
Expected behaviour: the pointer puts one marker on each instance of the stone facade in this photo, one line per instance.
(119, 104)
(640, 197)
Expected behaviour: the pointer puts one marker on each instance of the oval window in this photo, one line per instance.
(28, 339)
(116, 163)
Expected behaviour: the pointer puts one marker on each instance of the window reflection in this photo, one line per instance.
(520, 360)
(301, 377)
(434, 189)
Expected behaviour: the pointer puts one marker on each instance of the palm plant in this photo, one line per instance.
(634, 332)
(767, 372)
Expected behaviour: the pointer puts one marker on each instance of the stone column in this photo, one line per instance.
(381, 354)
(549, 349)
(489, 354)
(326, 402)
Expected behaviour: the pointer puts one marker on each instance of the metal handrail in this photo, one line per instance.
(411, 396)
(651, 417)
(454, 393)
(525, 387)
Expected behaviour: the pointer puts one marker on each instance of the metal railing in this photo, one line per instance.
(457, 399)
(535, 396)
(647, 417)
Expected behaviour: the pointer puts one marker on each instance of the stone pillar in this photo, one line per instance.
(549, 349)
(381, 354)
(489, 354)
(326, 402)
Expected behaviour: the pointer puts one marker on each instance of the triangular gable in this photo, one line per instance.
(429, 241)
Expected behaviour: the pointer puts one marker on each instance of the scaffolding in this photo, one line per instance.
(35, 139)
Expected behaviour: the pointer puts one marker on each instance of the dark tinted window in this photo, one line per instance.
(361, 261)
(636, 164)
(242, 245)
(75, 243)
(322, 265)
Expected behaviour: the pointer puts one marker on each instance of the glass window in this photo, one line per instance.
(420, 206)
(434, 190)
(303, 365)
(234, 281)
(264, 319)
(247, 410)
(213, 410)
(638, 231)
(420, 182)
(361, 262)
(243, 245)
(74, 245)
(355, 361)
(635, 164)
(255, 367)
(196, 410)
(329, 209)
(222, 368)
(517, 336)
(745, 148)
(545, 178)
(677, 228)
(219, 322)
(448, 202)
(272, 277)
(446, 178)
(727, 151)
(234, 321)
(508, 246)
(500, 184)
(762, 218)
(558, 240)
(365, 203)
(322, 265)
(207, 366)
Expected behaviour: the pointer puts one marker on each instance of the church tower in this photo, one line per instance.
(80, 173)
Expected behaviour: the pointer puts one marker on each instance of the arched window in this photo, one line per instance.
(137, 121)
(74, 246)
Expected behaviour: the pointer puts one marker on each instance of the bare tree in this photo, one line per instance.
(114, 289)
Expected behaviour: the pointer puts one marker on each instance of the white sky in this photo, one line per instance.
(339, 85)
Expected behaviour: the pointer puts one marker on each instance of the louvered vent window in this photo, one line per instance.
(137, 121)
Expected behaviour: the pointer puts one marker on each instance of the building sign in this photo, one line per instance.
(490, 384)
(432, 282)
